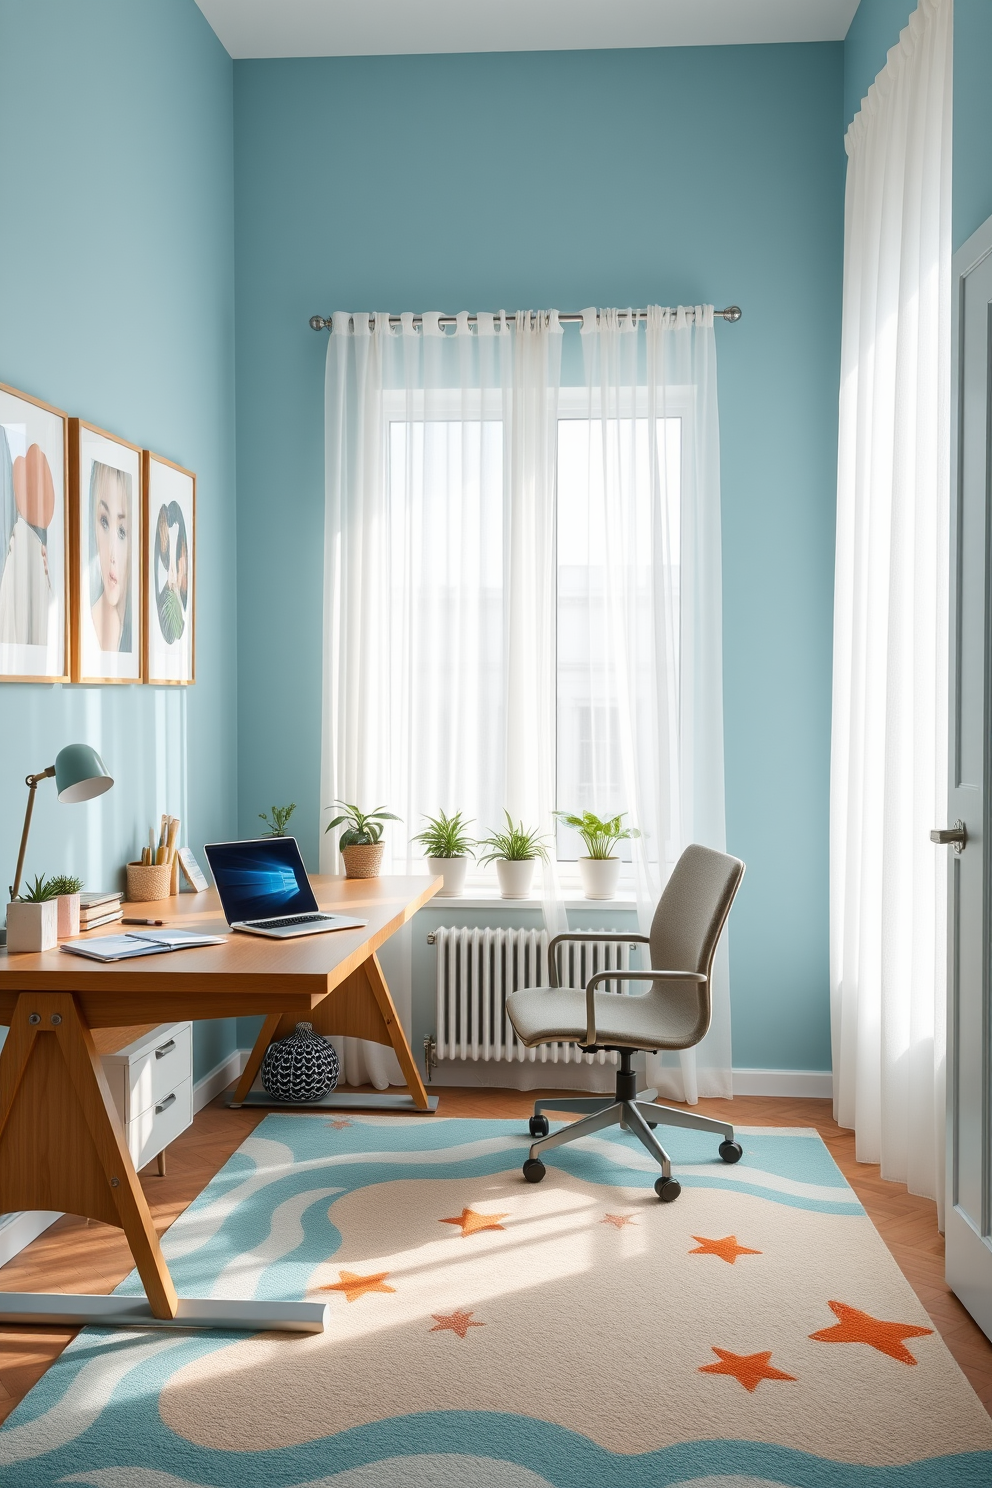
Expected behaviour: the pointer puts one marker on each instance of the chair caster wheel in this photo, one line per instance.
(731, 1152)
(534, 1170)
(539, 1126)
(667, 1189)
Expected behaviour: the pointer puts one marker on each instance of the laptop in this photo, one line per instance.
(264, 889)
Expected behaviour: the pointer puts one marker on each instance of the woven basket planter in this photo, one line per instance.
(363, 860)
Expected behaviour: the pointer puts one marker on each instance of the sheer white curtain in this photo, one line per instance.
(640, 558)
(439, 586)
(889, 768)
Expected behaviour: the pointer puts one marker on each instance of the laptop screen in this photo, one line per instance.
(260, 878)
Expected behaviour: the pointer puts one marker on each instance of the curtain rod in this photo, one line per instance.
(732, 313)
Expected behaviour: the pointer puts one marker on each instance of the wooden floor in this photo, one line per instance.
(84, 1256)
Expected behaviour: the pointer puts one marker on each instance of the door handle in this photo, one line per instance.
(954, 837)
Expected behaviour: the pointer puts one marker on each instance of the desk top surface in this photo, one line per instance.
(247, 973)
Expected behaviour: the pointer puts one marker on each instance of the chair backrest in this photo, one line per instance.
(686, 928)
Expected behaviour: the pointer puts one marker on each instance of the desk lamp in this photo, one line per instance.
(80, 774)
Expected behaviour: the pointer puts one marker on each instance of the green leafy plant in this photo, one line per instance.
(600, 837)
(364, 827)
(446, 837)
(280, 816)
(64, 883)
(38, 892)
(515, 845)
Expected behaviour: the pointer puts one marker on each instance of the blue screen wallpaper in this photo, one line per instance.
(256, 879)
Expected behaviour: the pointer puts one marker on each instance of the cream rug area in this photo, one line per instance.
(489, 1333)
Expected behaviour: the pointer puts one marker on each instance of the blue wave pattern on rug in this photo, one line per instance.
(97, 1415)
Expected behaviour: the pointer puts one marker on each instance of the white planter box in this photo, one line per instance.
(453, 871)
(600, 877)
(32, 927)
(515, 878)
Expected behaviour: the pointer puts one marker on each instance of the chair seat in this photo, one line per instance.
(544, 1015)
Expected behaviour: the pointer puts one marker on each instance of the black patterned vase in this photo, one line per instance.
(302, 1067)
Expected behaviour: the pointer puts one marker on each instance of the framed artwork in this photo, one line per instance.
(170, 572)
(105, 510)
(34, 531)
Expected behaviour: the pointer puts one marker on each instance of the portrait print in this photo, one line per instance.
(33, 529)
(106, 479)
(170, 512)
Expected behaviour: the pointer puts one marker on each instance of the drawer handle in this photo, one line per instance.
(164, 1049)
(164, 1105)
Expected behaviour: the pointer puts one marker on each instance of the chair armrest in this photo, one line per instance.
(621, 974)
(616, 936)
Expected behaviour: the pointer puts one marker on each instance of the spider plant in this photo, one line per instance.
(516, 845)
(446, 837)
(364, 827)
(600, 837)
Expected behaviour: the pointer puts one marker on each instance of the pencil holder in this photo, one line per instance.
(146, 881)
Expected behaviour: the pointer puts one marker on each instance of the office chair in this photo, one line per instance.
(674, 1013)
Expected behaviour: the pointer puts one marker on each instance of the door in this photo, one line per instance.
(969, 1032)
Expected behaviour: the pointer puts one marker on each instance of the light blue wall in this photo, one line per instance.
(117, 304)
(568, 179)
(874, 30)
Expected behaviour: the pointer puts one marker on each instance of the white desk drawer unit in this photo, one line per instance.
(151, 1080)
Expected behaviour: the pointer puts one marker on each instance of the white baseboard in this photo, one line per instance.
(210, 1086)
(18, 1230)
(815, 1084)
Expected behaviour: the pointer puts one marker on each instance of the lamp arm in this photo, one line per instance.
(31, 781)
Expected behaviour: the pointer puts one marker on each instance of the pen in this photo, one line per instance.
(142, 922)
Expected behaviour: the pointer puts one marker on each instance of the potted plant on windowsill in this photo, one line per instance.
(361, 844)
(448, 848)
(33, 918)
(514, 852)
(600, 870)
(66, 888)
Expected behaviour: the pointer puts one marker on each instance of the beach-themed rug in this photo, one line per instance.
(489, 1333)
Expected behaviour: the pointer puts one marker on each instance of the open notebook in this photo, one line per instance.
(140, 943)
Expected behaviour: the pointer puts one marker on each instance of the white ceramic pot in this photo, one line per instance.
(32, 927)
(600, 877)
(453, 871)
(68, 915)
(515, 878)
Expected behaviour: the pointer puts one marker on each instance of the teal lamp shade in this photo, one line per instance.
(80, 773)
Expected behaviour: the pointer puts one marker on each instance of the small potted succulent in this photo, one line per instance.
(447, 848)
(279, 821)
(600, 870)
(33, 918)
(361, 844)
(514, 852)
(66, 888)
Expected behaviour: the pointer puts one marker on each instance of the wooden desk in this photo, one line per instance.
(61, 1143)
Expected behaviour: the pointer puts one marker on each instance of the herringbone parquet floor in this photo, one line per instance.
(84, 1256)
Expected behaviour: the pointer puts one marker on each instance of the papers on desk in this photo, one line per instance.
(140, 943)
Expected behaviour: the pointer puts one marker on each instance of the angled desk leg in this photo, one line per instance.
(361, 1007)
(62, 1147)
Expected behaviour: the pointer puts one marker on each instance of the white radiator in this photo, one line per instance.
(478, 969)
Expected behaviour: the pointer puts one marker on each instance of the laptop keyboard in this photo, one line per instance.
(301, 919)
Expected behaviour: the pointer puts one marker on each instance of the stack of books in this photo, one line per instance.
(99, 909)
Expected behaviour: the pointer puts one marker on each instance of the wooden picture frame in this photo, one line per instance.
(106, 510)
(34, 554)
(169, 574)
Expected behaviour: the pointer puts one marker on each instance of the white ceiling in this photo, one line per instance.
(350, 28)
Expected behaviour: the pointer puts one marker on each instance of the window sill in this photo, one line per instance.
(484, 896)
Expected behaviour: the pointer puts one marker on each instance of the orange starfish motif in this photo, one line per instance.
(727, 1249)
(748, 1369)
(472, 1222)
(457, 1322)
(355, 1286)
(339, 1124)
(855, 1326)
(617, 1220)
